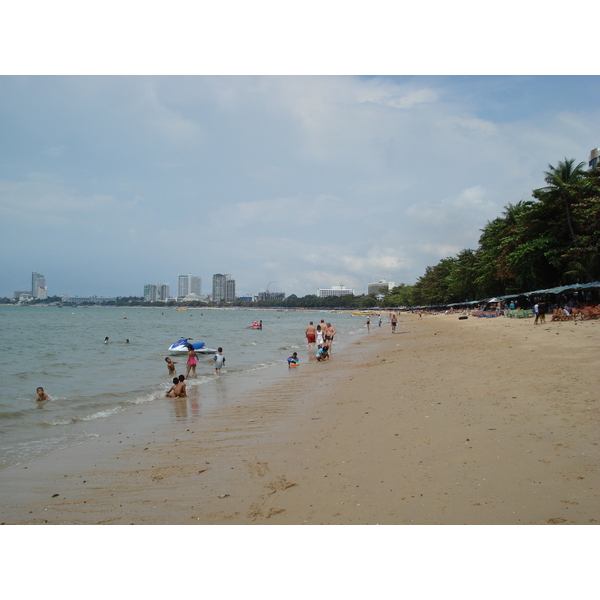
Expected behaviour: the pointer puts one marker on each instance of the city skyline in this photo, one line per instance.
(190, 286)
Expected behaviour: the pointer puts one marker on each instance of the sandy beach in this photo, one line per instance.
(447, 421)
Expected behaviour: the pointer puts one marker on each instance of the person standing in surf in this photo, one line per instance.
(191, 362)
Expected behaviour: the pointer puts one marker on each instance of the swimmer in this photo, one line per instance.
(41, 395)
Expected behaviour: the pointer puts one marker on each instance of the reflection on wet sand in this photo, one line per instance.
(181, 406)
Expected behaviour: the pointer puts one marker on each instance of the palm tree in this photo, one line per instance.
(562, 186)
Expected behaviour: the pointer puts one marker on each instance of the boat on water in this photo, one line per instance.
(181, 347)
(255, 325)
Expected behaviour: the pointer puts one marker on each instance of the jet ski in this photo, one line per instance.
(181, 347)
(255, 325)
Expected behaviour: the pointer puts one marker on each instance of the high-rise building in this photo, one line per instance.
(37, 281)
(230, 290)
(150, 292)
(156, 292)
(223, 288)
(188, 285)
(162, 292)
(594, 162)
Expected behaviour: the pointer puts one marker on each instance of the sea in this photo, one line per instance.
(62, 349)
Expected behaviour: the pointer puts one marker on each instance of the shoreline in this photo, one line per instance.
(479, 421)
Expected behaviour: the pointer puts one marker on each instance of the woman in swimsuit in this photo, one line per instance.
(319, 337)
(191, 362)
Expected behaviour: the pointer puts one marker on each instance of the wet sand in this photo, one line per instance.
(448, 421)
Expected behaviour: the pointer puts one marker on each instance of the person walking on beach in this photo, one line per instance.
(379, 320)
(219, 360)
(329, 334)
(171, 366)
(542, 309)
(536, 312)
(368, 324)
(394, 322)
(319, 337)
(41, 395)
(311, 335)
(191, 362)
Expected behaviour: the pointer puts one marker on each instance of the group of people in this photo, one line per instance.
(320, 336)
(178, 389)
(192, 361)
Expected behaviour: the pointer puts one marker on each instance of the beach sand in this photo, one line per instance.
(447, 421)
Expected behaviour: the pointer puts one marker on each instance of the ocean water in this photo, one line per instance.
(88, 381)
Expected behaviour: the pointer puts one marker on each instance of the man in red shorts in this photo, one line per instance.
(311, 335)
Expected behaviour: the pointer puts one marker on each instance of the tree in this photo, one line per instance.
(563, 187)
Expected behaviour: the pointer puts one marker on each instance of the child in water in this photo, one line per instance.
(219, 360)
(171, 366)
(191, 363)
(293, 360)
(172, 392)
(323, 353)
(41, 395)
(182, 387)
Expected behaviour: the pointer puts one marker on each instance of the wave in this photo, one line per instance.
(97, 415)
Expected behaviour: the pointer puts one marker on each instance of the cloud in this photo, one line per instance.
(308, 181)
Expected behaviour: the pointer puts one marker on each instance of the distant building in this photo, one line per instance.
(223, 288)
(594, 161)
(263, 296)
(380, 287)
(156, 292)
(335, 290)
(163, 291)
(87, 300)
(42, 292)
(188, 285)
(37, 281)
(150, 292)
(18, 295)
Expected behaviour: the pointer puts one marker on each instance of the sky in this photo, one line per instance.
(287, 182)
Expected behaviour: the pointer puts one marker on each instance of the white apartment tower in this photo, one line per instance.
(37, 281)
(223, 288)
(188, 285)
(156, 292)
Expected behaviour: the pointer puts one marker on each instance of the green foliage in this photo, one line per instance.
(535, 244)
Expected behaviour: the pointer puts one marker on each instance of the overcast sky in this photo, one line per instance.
(300, 182)
(293, 182)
